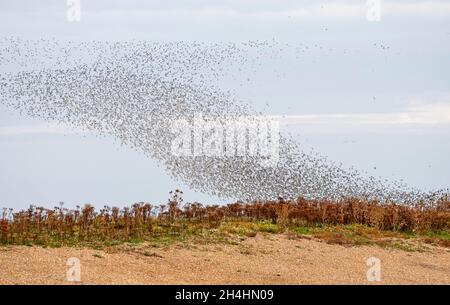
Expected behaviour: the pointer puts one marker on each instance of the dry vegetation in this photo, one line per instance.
(347, 222)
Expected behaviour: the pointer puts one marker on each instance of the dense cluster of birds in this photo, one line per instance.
(134, 91)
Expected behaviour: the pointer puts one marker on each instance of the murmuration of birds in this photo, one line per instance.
(135, 91)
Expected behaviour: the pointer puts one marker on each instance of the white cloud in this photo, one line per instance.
(416, 9)
(415, 117)
(50, 128)
(426, 114)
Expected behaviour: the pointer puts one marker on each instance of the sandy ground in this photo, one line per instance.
(264, 259)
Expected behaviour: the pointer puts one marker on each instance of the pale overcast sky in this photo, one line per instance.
(373, 95)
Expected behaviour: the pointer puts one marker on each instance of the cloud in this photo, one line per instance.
(51, 128)
(417, 9)
(416, 116)
(416, 119)
(427, 114)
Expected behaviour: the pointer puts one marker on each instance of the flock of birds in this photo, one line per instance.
(134, 91)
